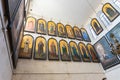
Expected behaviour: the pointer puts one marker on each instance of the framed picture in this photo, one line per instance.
(107, 58)
(92, 53)
(61, 30)
(12, 8)
(84, 52)
(16, 25)
(70, 33)
(64, 50)
(77, 33)
(30, 24)
(40, 48)
(96, 26)
(53, 53)
(113, 36)
(85, 35)
(26, 47)
(51, 28)
(74, 51)
(110, 12)
(41, 26)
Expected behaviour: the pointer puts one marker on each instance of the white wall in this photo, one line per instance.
(73, 12)
(113, 73)
(57, 70)
(5, 56)
(5, 67)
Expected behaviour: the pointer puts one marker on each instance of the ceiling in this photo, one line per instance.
(73, 12)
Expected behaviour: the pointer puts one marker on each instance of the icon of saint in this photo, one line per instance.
(30, 26)
(52, 29)
(40, 48)
(41, 27)
(53, 49)
(97, 27)
(61, 31)
(74, 51)
(26, 46)
(70, 32)
(110, 12)
(93, 54)
(85, 35)
(78, 34)
(84, 53)
(64, 50)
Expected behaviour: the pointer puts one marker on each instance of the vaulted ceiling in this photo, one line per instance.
(73, 12)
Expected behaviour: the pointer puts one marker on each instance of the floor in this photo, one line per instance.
(56, 70)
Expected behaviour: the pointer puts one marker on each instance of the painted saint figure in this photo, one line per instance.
(85, 36)
(78, 34)
(52, 30)
(53, 49)
(41, 27)
(61, 31)
(26, 46)
(70, 32)
(110, 12)
(93, 54)
(40, 48)
(64, 50)
(30, 25)
(85, 55)
(97, 28)
(74, 51)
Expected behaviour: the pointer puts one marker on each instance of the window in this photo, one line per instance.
(117, 3)
(104, 19)
(93, 33)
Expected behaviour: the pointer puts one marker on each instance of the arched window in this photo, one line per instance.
(117, 3)
(110, 12)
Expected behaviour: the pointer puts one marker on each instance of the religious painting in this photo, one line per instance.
(77, 33)
(61, 30)
(64, 50)
(40, 48)
(113, 37)
(30, 24)
(96, 26)
(92, 53)
(26, 47)
(70, 33)
(53, 53)
(51, 28)
(41, 26)
(85, 35)
(110, 12)
(84, 52)
(107, 58)
(74, 51)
